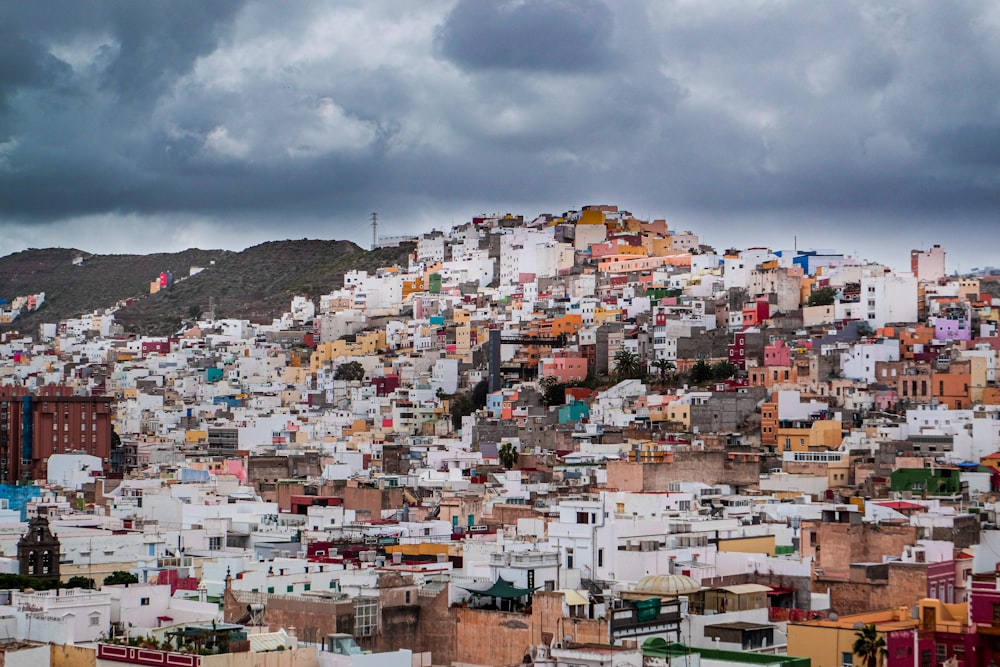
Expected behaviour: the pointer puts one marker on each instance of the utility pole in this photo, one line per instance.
(374, 230)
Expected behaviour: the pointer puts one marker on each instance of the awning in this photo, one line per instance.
(743, 589)
(778, 590)
(573, 598)
(503, 589)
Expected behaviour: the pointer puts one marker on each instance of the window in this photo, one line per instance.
(290, 588)
(942, 652)
(143, 602)
(365, 616)
(270, 589)
(847, 659)
(95, 619)
(407, 597)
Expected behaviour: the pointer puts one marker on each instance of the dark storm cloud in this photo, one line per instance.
(308, 116)
(558, 35)
(24, 63)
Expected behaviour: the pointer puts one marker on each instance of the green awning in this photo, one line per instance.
(503, 589)
(647, 610)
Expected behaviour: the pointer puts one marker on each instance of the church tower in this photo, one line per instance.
(38, 552)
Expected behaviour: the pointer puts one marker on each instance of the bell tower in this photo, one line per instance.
(38, 551)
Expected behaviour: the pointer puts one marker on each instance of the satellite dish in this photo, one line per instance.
(859, 626)
(833, 616)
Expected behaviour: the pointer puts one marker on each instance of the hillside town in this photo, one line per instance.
(578, 440)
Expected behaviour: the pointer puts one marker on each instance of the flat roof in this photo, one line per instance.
(743, 589)
(741, 625)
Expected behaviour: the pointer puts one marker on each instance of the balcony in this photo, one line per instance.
(641, 618)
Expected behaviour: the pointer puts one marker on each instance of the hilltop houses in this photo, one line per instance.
(588, 437)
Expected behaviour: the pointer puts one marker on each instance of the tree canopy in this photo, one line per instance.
(507, 455)
(350, 371)
(627, 366)
(869, 645)
(822, 296)
(120, 577)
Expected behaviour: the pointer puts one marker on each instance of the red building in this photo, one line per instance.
(737, 351)
(52, 420)
(158, 346)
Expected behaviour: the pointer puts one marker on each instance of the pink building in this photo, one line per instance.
(778, 354)
(564, 366)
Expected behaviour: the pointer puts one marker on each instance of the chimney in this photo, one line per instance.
(670, 564)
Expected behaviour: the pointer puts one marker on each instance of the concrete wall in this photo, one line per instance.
(837, 545)
(906, 582)
(68, 655)
(696, 466)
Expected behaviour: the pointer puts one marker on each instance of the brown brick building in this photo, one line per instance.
(51, 420)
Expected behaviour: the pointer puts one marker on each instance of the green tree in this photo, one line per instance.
(723, 370)
(469, 402)
(823, 296)
(80, 582)
(480, 393)
(664, 367)
(507, 455)
(869, 645)
(120, 577)
(553, 391)
(350, 371)
(627, 366)
(701, 372)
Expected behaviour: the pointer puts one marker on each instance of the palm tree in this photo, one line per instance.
(626, 364)
(869, 645)
(664, 366)
(507, 455)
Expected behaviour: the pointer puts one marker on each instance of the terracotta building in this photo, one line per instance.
(51, 420)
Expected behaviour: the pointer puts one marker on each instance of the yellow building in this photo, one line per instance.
(606, 315)
(365, 343)
(680, 413)
(657, 246)
(830, 643)
(820, 434)
(195, 437)
(763, 544)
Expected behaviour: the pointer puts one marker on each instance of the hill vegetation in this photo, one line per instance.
(256, 284)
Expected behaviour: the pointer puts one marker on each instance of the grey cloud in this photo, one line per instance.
(546, 35)
(312, 116)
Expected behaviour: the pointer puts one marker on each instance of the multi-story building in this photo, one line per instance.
(51, 420)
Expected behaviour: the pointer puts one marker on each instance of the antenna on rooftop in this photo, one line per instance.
(374, 230)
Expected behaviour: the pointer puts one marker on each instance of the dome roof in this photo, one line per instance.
(667, 584)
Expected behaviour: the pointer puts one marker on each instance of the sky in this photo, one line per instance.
(871, 128)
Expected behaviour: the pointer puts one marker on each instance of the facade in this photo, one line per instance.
(52, 420)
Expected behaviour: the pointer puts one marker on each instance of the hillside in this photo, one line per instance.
(257, 283)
